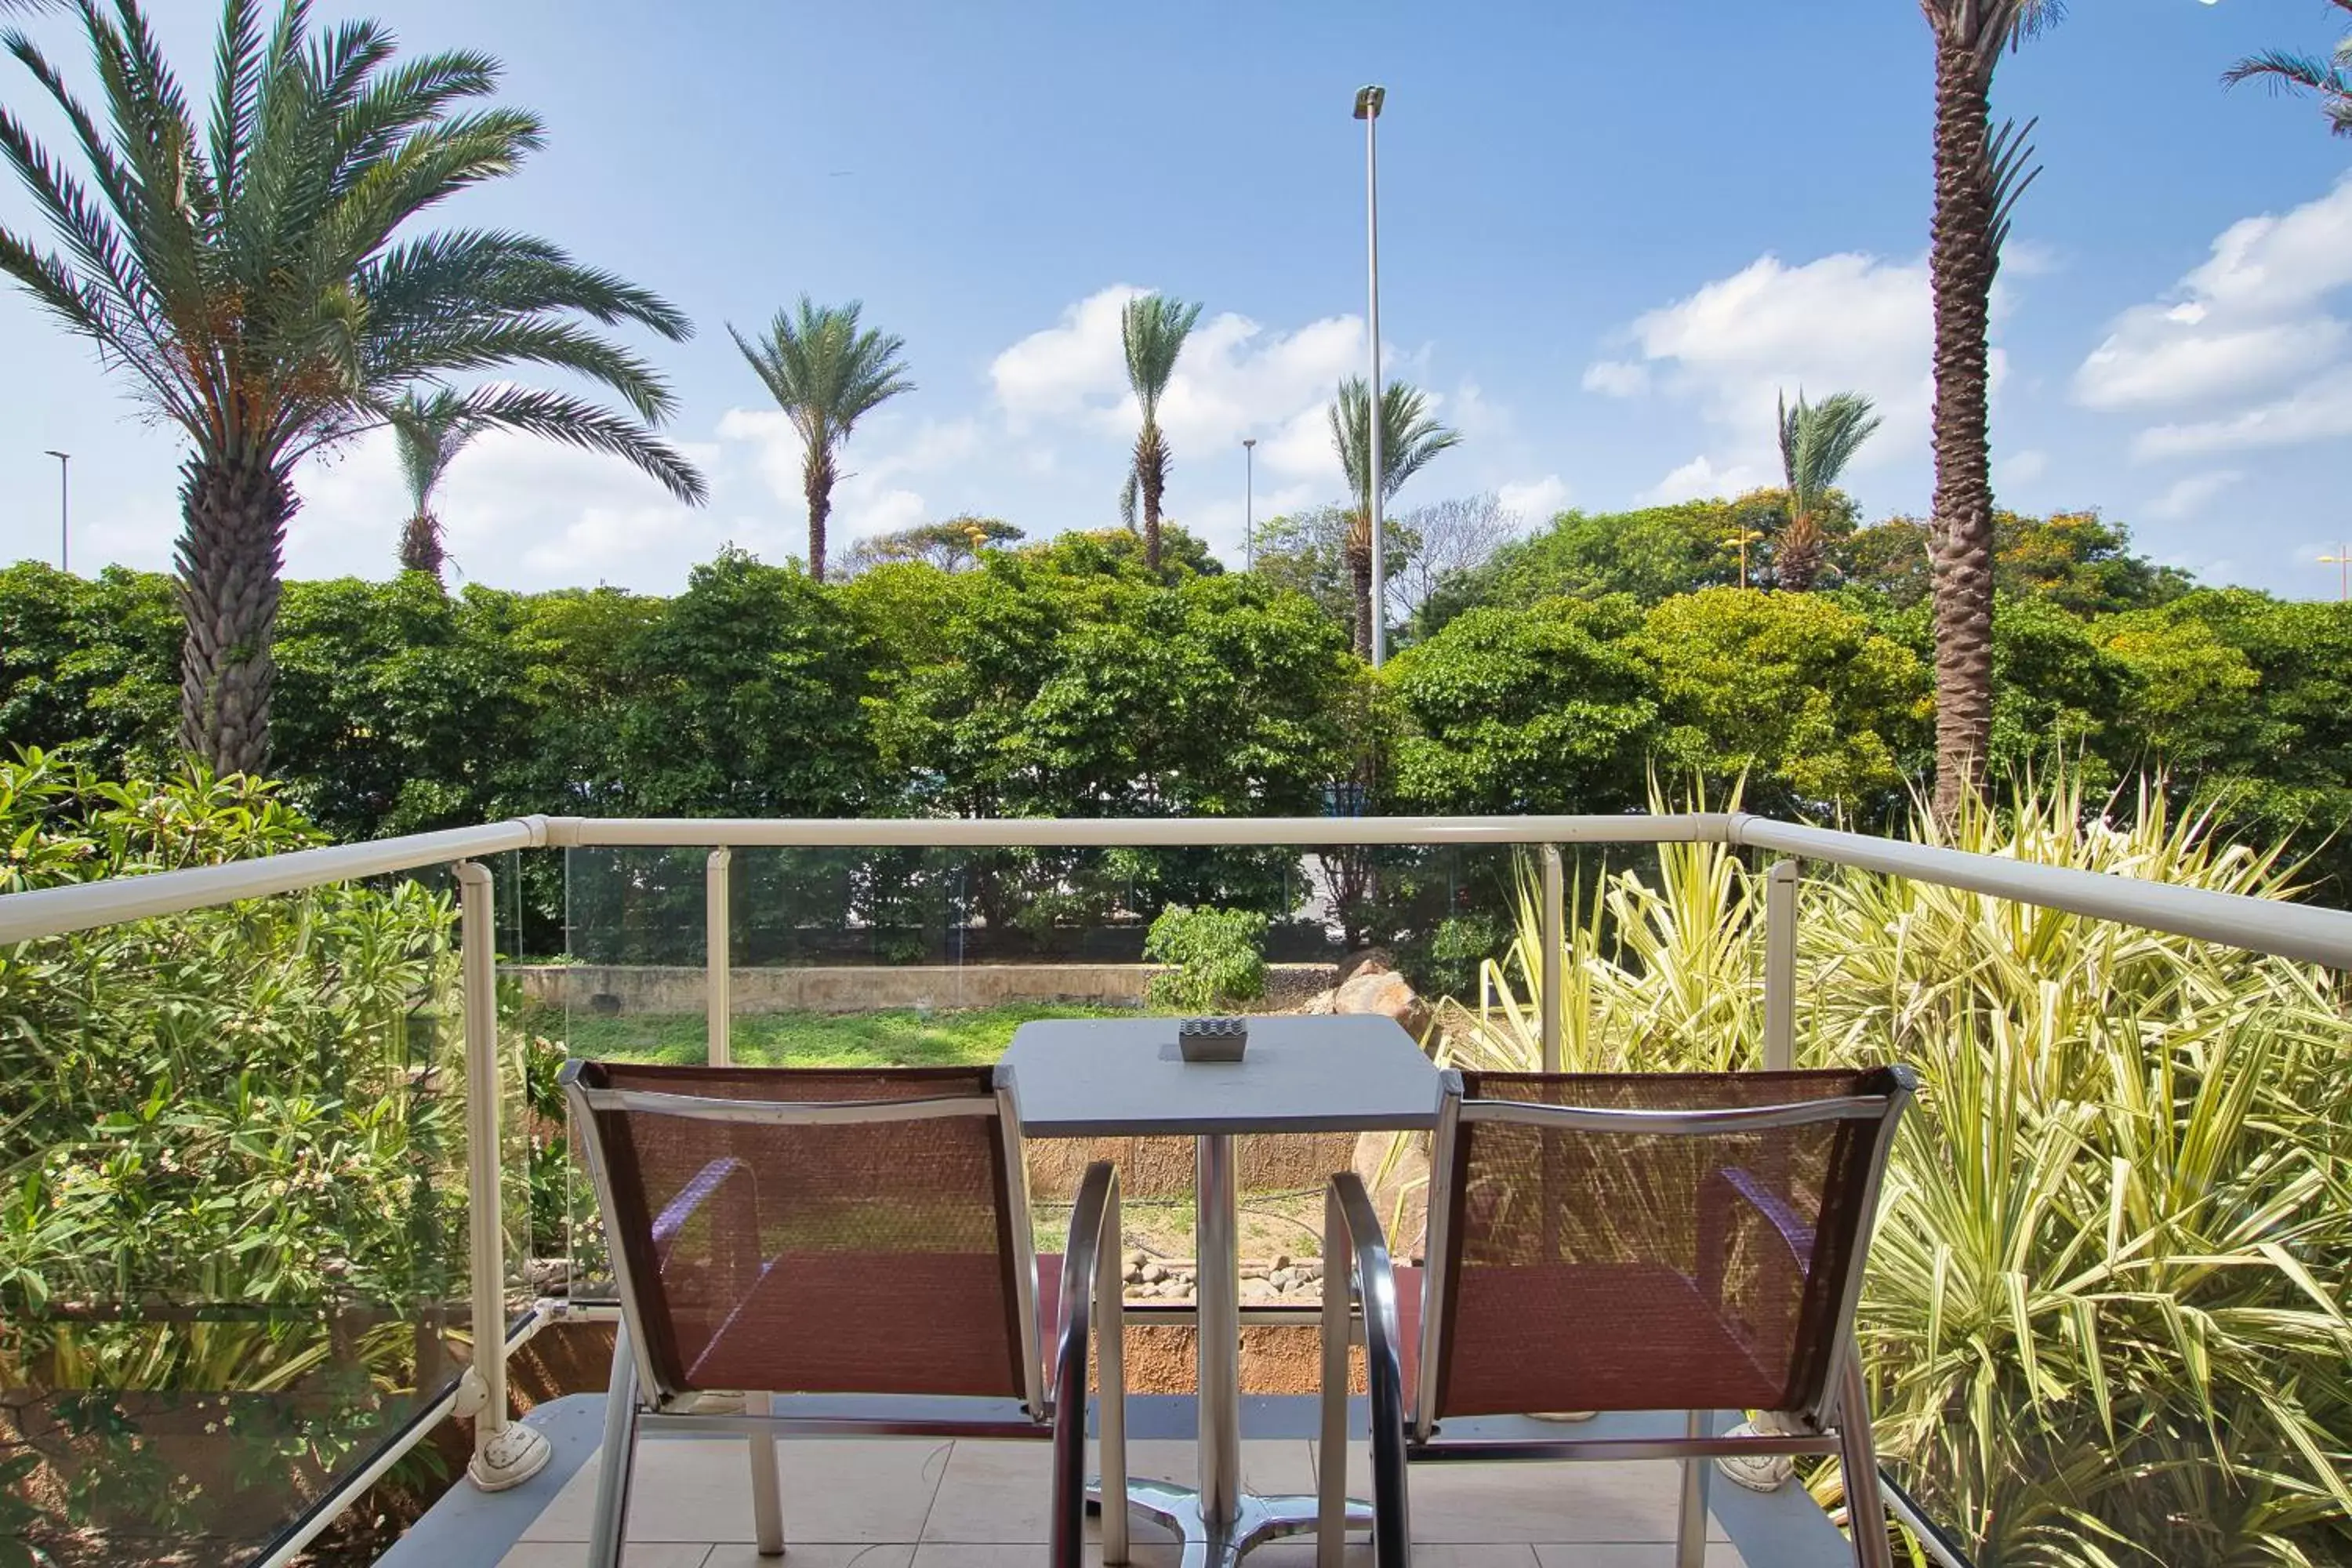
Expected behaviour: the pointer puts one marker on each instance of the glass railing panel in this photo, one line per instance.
(234, 1250)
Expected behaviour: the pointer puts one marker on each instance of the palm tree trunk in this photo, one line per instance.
(231, 556)
(1151, 479)
(1960, 267)
(1797, 563)
(816, 485)
(1359, 552)
(420, 545)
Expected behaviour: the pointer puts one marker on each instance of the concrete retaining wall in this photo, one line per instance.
(863, 988)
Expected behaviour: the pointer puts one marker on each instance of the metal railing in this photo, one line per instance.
(506, 1452)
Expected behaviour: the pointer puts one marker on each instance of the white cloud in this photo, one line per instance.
(1534, 501)
(2186, 497)
(1847, 323)
(1700, 479)
(1616, 378)
(2245, 345)
(2021, 468)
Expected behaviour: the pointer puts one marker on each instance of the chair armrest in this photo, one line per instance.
(1093, 1276)
(1355, 1245)
(710, 1180)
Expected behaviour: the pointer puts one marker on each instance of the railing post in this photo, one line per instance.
(1780, 966)
(719, 946)
(1555, 934)
(505, 1453)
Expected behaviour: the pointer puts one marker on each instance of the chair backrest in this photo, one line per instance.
(821, 1231)
(1650, 1241)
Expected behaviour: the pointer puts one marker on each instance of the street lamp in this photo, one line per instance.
(1744, 538)
(2343, 564)
(1368, 110)
(1249, 503)
(64, 536)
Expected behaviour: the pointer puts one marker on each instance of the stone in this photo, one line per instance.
(1321, 1004)
(1363, 961)
(1282, 1260)
(1389, 995)
(1152, 1274)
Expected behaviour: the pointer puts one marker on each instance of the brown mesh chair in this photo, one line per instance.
(789, 1231)
(1654, 1242)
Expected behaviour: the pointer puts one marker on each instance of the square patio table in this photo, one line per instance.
(1123, 1078)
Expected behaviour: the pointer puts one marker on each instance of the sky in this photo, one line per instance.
(1610, 235)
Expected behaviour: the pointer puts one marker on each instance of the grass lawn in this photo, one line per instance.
(903, 1037)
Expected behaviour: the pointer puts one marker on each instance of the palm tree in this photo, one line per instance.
(1409, 440)
(1980, 174)
(2284, 70)
(1152, 330)
(1817, 441)
(825, 375)
(429, 433)
(244, 278)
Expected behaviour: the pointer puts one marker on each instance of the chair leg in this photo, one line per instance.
(609, 1524)
(1866, 1510)
(1690, 1519)
(767, 1502)
(1110, 1363)
(1332, 1469)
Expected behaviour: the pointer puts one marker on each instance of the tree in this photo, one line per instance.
(2285, 70)
(951, 545)
(1817, 441)
(244, 276)
(2076, 560)
(1152, 331)
(1980, 174)
(429, 432)
(1446, 538)
(1409, 440)
(825, 375)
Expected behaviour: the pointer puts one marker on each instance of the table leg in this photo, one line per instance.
(1217, 1521)
(1217, 1264)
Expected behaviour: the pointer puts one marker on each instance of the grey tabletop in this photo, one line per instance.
(1107, 1078)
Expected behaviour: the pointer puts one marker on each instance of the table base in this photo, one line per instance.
(1258, 1519)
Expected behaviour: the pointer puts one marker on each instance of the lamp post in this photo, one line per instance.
(64, 495)
(2343, 564)
(1368, 110)
(1744, 538)
(1249, 503)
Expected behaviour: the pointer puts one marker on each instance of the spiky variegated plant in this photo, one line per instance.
(1409, 440)
(2290, 70)
(1817, 441)
(1152, 330)
(1980, 174)
(429, 432)
(825, 375)
(244, 276)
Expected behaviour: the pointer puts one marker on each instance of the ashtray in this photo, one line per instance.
(1212, 1039)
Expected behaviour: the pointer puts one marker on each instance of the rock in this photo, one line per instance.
(1137, 1258)
(1309, 1267)
(1321, 1004)
(1388, 995)
(1363, 961)
(1151, 1274)
(1282, 1260)
(548, 1276)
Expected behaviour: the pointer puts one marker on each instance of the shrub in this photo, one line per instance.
(1216, 956)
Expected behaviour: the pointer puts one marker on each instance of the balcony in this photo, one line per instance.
(281, 1405)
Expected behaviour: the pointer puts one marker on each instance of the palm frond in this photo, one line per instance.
(555, 416)
(2008, 155)
(823, 370)
(1151, 330)
(1818, 440)
(1409, 437)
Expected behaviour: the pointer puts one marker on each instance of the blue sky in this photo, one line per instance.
(1609, 234)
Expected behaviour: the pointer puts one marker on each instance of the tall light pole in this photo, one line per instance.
(1249, 503)
(1368, 110)
(2342, 561)
(65, 537)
